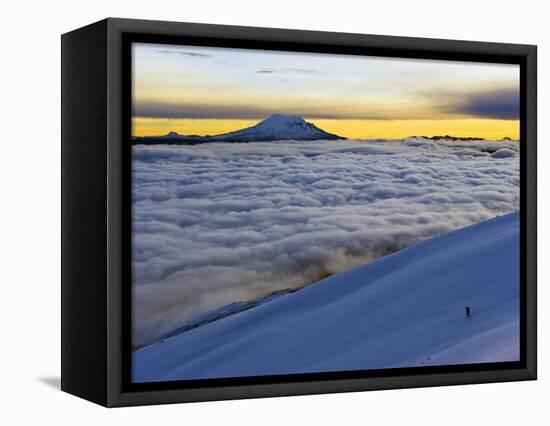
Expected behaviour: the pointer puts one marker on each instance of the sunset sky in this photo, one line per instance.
(205, 90)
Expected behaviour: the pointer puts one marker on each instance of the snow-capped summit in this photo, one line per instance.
(283, 119)
(171, 135)
(279, 127)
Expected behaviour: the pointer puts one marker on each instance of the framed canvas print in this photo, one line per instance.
(253, 212)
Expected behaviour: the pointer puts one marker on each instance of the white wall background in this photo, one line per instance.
(30, 180)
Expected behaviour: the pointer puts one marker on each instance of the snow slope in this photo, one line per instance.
(225, 311)
(405, 309)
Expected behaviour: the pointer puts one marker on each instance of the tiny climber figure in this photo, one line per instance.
(468, 311)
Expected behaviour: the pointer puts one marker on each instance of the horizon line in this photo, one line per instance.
(485, 128)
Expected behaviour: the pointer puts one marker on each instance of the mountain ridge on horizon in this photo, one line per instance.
(278, 127)
(275, 127)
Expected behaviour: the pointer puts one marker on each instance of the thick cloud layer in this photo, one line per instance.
(221, 222)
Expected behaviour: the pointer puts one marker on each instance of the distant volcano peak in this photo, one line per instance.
(279, 127)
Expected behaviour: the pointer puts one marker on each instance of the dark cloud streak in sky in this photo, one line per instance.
(285, 71)
(498, 104)
(185, 53)
(162, 110)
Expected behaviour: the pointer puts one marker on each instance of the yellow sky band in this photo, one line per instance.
(352, 129)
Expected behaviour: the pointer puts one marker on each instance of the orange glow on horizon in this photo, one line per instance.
(351, 129)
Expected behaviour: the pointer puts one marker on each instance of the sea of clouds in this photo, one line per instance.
(221, 222)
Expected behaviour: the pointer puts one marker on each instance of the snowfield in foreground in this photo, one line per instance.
(223, 222)
(405, 309)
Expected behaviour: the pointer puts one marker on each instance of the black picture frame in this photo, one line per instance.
(96, 228)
